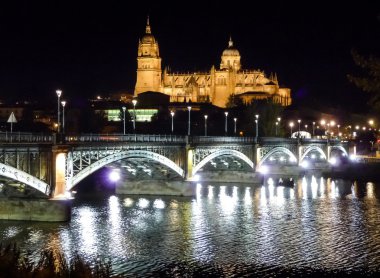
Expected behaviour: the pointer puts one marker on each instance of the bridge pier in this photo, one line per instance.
(59, 165)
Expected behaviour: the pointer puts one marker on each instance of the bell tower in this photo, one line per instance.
(148, 63)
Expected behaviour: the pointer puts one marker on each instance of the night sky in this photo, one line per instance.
(90, 48)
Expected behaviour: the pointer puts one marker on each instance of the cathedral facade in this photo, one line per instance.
(215, 86)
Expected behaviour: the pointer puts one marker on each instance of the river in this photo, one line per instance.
(321, 226)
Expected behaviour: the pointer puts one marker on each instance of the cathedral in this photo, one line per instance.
(215, 86)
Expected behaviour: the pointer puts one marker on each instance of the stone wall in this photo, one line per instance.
(35, 210)
(156, 187)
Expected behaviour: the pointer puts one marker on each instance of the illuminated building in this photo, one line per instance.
(215, 86)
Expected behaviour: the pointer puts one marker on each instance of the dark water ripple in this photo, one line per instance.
(319, 228)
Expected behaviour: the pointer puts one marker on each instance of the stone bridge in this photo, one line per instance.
(54, 167)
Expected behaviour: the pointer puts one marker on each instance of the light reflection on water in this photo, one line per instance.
(320, 224)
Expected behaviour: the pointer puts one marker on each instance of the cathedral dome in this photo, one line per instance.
(231, 51)
(148, 38)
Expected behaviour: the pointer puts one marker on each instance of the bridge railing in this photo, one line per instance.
(125, 138)
(221, 139)
(25, 137)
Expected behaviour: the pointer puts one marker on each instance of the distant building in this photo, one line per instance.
(215, 86)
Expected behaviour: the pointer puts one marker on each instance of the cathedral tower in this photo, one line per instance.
(148, 64)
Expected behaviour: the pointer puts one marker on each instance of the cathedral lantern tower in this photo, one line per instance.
(230, 57)
(148, 64)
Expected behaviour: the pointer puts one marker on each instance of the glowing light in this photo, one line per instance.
(313, 156)
(114, 176)
(263, 169)
(158, 203)
(196, 178)
(305, 164)
(143, 203)
(128, 202)
(270, 181)
(333, 161)
(353, 157)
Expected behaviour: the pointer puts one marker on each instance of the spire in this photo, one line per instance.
(275, 78)
(147, 29)
(230, 43)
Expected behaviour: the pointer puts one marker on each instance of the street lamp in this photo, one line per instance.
(188, 127)
(63, 116)
(134, 102)
(172, 114)
(299, 127)
(313, 128)
(225, 124)
(206, 125)
(59, 93)
(257, 126)
(124, 108)
(235, 119)
(291, 124)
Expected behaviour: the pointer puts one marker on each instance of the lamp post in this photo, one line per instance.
(225, 124)
(313, 128)
(59, 93)
(278, 123)
(134, 102)
(124, 108)
(206, 125)
(63, 116)
(257, 126)
(172, 114)
(235, 119)
(291, 124)
(188, 127)
(299, 126)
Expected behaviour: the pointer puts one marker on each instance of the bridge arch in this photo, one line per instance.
(220, 153)
(340, 148)
(72, 181)
(21, 176)
(275, 150)
(313, 148)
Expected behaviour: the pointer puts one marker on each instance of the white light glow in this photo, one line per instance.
(305, 164)
(263, 169)
(114, 176)
(128, 202)
(159, 203)
(143, 203)
(333, 161)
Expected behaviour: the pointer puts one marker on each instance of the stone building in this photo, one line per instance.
(214, 86)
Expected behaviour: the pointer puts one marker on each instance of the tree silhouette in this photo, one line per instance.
(369, 81)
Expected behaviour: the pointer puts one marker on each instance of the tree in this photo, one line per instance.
(370, 80)
(268, 112)
(234, 101)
